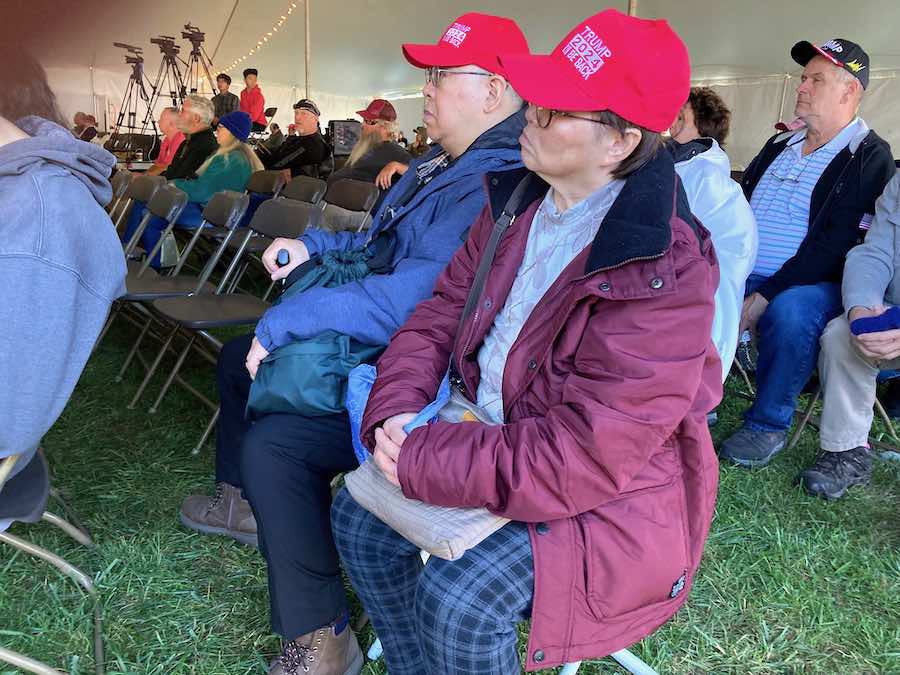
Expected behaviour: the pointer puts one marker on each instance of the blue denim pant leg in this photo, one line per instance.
(192, 216)
(138, 209)
(450, 617)
(788, 343)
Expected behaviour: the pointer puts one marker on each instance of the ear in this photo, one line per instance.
(495, 91)
(623, 144)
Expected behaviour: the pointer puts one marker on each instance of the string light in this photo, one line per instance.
(264, 38)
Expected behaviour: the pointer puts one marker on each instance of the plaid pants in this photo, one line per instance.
(444, 618)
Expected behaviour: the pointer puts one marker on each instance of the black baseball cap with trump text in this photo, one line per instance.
(841, 52)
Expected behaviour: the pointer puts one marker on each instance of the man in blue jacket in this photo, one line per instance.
(813, 192)
(284, 463)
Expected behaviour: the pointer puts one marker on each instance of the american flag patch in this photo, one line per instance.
(866, 221)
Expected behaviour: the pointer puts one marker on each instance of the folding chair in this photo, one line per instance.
(348, 205)
(623, 657)
(225, 209)
(141, 189)
(196, 315)
(304, 189)
(119, 183)
(23, 498)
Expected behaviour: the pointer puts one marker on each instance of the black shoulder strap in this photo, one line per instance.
(487, 257)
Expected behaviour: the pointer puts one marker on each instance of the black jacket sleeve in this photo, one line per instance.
(837, 229)
(192, 153)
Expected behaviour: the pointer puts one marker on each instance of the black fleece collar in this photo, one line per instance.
(637, 225)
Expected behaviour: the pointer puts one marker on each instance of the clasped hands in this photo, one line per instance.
(877, 347)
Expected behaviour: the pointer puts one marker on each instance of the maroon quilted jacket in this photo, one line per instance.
(605, 450)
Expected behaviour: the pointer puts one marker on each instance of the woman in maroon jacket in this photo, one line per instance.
(590, 349)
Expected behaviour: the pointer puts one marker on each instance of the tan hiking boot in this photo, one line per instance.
(225, 513)
(320, 653)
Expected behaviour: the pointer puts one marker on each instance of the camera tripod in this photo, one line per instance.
(135, 97)
(198, 63)
(168, 77)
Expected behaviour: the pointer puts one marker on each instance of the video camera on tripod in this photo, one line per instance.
(193, 34)
(199, 64)
(137, 52)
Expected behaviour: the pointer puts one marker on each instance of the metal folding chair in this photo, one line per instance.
(23, 498)
(196, 315)
(119, 182)
(348, 205)
(305, 189)
(141, 189)
(225, 209)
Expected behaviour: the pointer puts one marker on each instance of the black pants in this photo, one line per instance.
(285, 464)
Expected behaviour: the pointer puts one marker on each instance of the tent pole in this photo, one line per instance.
(632, 7)
(308, 47)
(784, 89)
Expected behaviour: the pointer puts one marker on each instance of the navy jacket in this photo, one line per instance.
(846, 191)
(427, 231)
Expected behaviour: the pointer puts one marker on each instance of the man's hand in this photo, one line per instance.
(256, 354)
(877, 347)
(386, 175)
(388, 439)
(297, 250)
(754, 306)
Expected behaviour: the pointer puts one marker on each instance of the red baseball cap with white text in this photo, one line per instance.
(636, 68)
(473, 38)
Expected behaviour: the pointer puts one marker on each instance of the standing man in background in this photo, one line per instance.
(224, 102)
(252, 100)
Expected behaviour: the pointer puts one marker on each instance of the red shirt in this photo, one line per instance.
(253, 103)
(168, 148)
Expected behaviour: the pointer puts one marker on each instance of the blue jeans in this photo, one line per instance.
(190, 218)
(450, 617)
(788, 341)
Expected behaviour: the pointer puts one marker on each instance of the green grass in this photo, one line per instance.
(789, 583)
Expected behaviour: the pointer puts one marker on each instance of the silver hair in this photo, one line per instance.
(202, 108)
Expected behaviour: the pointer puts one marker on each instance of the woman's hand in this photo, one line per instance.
(254, 357)
(388, 439)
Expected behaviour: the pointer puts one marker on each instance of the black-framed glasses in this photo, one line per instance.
(434, 75)
(544, 116)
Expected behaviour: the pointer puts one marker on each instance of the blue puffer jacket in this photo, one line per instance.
(428, 231)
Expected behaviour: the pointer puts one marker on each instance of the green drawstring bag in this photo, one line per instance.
(309, 377)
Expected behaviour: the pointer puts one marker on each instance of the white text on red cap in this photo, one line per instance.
(456, 34)
(587, 51)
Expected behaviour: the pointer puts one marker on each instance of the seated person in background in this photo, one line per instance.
(590, 353)
(252, 100)
(810, 191)
(719, 204)
(284, 462)
(194, 120)
(79, 123)
(61, 264)
(276, 137)
(377, 144)
(172, 140)
(420, 146)
(849, 364)
(228, 169)
(224, 102)
(301, 154)
(402, 140)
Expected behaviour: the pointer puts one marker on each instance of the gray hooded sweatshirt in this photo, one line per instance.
(61, 266)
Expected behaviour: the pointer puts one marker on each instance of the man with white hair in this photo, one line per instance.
(813, 193)
(377, 145)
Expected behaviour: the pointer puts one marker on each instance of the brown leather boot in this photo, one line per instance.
(225, 513)
(320, 653)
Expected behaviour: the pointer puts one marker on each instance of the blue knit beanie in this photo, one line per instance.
(238, 123)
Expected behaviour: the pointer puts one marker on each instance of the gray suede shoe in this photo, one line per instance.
(752, 448)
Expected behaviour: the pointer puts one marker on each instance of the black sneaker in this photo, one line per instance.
(752, 448)
(834, 472)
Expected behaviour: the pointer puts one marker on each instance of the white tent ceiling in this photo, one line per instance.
(355, 44)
